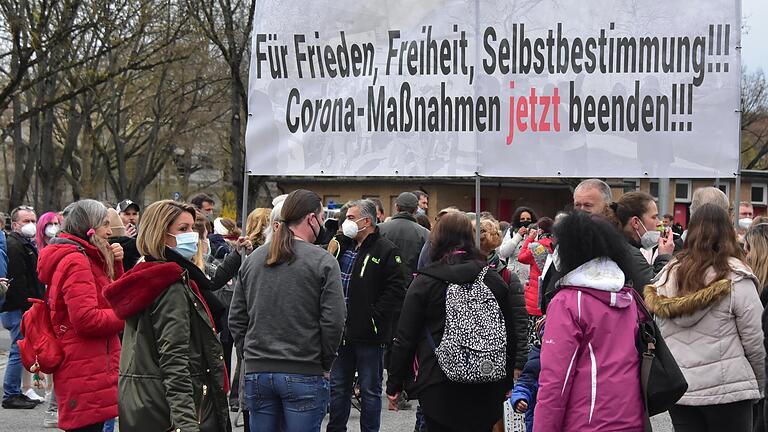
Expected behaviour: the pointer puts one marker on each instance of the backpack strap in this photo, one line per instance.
(80, 249)
(481, 275)
(506, 274)
(427, 333)
(430, 339)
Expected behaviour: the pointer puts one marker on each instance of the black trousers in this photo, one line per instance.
(732, 417)
(98, 427)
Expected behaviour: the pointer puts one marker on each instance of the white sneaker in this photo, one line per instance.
(51, 419)
(32, 394)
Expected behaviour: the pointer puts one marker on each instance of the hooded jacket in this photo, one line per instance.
(87, 328)
(534, 253)
(714, 333)
(171, 370)
(590, 367)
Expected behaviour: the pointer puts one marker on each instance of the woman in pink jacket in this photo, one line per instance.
(590, 368)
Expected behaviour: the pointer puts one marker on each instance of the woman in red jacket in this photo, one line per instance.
(534, 252)
(76, 267)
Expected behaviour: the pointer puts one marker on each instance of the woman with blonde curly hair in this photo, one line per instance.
(256, 226)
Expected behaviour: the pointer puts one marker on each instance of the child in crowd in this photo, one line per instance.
(523, 397)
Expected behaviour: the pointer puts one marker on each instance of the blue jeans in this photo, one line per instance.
(109, 425)
(421, 421)
(12, 384)
(367, 360)
(286, 402)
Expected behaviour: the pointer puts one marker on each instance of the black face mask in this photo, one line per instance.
(524, 224)
(320, 235)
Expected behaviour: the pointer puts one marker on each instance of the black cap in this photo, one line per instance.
(125, 204)
(407, 201)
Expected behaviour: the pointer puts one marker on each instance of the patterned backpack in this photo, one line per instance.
(474, 345)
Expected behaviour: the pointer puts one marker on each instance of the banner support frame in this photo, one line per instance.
(477, 209)
(246, 178)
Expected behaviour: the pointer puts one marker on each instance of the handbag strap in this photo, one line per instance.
(646, 359)
(645, 375)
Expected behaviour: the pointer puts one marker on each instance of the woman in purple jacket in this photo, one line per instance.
(590, 368)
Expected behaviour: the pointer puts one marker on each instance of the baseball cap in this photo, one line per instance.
(124, 204)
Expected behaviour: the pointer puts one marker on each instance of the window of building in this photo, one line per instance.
(631, 185)
(726, 188)
(654, 189)
(759, 194)
(683, 191)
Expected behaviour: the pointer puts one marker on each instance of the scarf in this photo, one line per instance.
(218, 310)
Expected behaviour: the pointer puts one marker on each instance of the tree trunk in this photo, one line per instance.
(235, 140)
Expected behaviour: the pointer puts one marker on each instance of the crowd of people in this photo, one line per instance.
(151, 305)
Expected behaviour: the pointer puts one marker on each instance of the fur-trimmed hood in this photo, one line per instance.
(687, 310)
(139, 287)
(691, 307)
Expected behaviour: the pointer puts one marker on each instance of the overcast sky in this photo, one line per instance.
(754, 51)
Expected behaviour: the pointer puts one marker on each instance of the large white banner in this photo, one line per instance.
(605, 88)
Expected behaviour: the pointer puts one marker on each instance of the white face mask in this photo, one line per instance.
(649, 239)
(745, 223)
(350, 228)
(29, 230)
(51, 231)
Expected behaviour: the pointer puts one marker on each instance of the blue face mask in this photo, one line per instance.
(186, 244)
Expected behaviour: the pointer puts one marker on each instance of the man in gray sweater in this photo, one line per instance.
(287, 319)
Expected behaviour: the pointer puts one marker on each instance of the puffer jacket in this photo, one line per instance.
(171, 370)
(590, 367)
(534, 253)
(87, 328)
(714, 333)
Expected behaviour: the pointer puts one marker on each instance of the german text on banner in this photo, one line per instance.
(605, 88)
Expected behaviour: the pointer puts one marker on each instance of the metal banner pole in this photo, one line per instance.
(477, 209)
(245, 198)
(737, 196)
(663, 196)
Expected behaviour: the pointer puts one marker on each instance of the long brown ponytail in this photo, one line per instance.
(297, 205)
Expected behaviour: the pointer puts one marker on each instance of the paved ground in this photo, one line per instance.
(32, 420)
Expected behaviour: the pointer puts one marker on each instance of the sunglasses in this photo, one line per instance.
(23, 207)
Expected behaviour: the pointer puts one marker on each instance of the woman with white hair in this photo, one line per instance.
(274, 217)
(76, 267)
